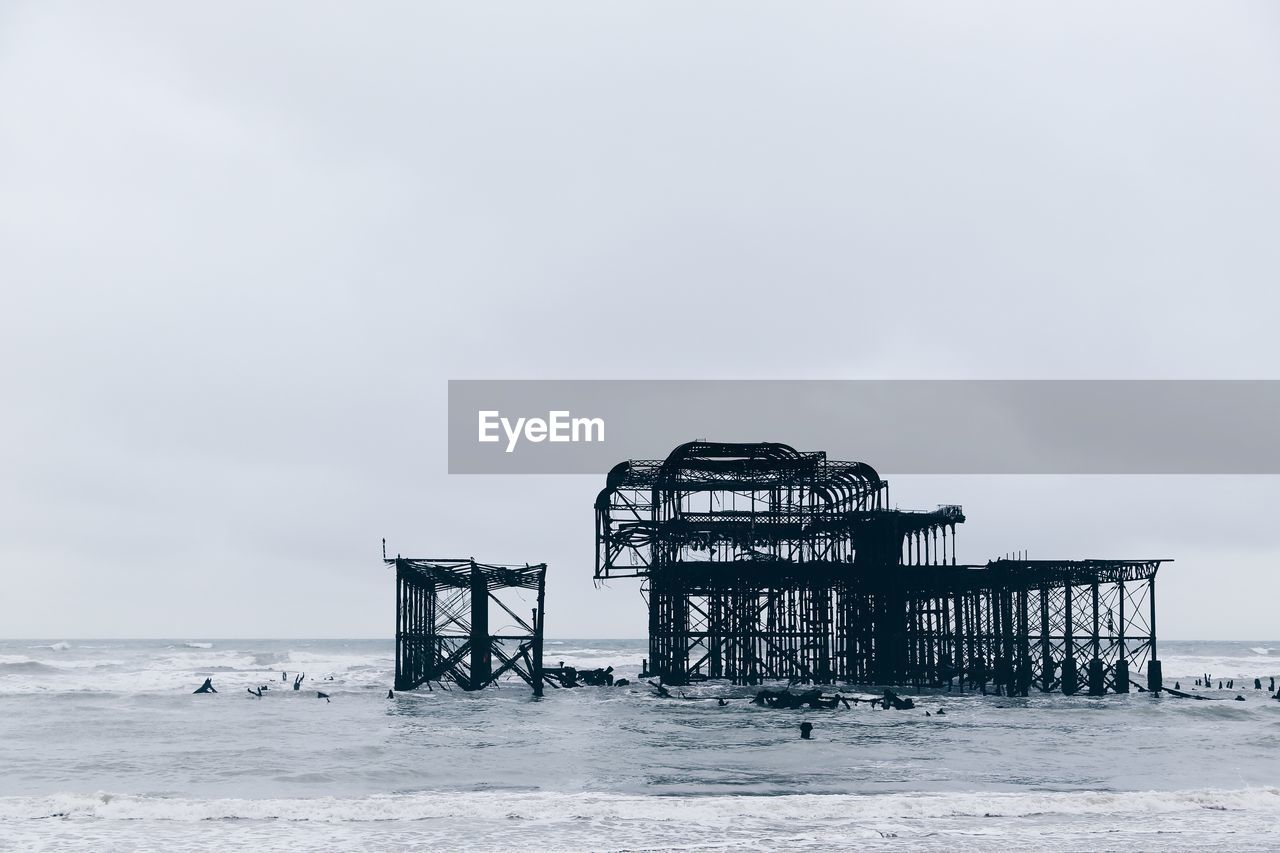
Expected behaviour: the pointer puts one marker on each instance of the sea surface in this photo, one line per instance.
(103, 746)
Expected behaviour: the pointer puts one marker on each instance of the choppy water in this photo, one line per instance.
(103, 746)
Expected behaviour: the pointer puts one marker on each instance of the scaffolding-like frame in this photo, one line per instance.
(442, 623)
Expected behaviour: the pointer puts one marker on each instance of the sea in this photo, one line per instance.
(103, 746)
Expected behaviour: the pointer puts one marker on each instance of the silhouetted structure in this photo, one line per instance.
(761, 561)
(442, 623)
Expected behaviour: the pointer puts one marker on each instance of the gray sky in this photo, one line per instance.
(242, 251)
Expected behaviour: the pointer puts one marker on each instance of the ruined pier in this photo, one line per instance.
(760, 561)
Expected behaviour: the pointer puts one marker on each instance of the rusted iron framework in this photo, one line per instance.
(442, 623)
(764, 562)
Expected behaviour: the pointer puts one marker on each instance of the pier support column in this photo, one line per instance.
(481, 663)
(539, 622)
(1155, 678)
(1047, 668)
(1121, 680)
(714, 640)
(1097, 678)
(1070, 678)
(1046, 653)
(1025, 676)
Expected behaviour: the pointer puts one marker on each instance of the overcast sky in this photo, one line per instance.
(243, 247)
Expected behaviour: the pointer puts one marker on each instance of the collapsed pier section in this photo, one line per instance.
(442, 623)
(763, 562)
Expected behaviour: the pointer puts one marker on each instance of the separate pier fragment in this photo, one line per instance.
(442, 623)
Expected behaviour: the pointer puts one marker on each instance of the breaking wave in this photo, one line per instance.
(26, 666)
(268, 658)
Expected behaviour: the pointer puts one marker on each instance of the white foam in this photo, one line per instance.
(704, 810)
(1220, 666)
(178, 668)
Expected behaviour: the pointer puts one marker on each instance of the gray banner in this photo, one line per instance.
(897, 426)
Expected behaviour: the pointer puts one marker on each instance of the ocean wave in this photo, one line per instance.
(60, 647)
(337, 659)
(715, 810)
(26, 666)
(167, 676)
(1220, 666)
(200, 660)
(267, 658)
(198, 645)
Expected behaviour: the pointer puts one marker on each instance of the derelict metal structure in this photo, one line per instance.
(763, 562)
(442, 623)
